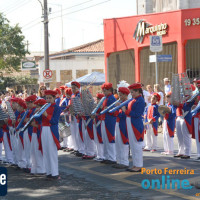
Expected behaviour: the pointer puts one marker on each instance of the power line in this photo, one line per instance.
(81, 9)
(68, 13)
(73, 6)
(11, 6)
(21, 5)
(58, 11)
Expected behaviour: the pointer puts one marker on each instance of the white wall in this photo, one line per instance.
(79, 63)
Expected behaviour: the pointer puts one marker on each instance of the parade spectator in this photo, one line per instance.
(160, 92)
(195, 84)
(41, 90)
(12, 93)
(150, 92)
(145, 94)
(25, 94)
(167, 85)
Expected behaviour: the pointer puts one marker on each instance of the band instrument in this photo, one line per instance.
(109, 107)
(163, 110)
(181, 88)
(10, 110)
(36, 115)
(125, 103)
(22, 120)
(98, 106)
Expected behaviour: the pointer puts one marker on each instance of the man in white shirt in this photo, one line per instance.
(167, 86)
(146, 95)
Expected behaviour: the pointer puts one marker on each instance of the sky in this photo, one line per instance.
(81, 21)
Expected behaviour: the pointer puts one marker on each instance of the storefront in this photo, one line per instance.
(127, 41)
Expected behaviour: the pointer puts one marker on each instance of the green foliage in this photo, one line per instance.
(12, 46)
(16, 81)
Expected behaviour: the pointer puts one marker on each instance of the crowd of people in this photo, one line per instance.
(115, 128)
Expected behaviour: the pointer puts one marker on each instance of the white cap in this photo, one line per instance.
(166, 79)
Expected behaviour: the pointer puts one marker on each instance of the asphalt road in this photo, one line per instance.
(88, 179)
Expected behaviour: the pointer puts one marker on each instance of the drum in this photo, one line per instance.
(163, 110)
(64, 126)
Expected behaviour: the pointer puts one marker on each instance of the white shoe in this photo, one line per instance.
(197, 159)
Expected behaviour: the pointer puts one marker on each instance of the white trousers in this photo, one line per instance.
(151, 139)
(109, 148)
(74, 132)
(196, 131)
(99, 146)
(88, 142)
(50, 153)
(1, 151)
(122, 150)
(65, 140)
(136, 147)
(70, 142)
(168, 142)
(37, 165)
(184, 137)
(27, 149)
(21, 154)
(79, 141)
(8, 151)
(14, 142)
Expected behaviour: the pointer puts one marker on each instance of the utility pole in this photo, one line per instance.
(46, 39)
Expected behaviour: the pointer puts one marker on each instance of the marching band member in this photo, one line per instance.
(37, 164)
(184, 129)
(7, 143)
(14, 140)
(50, 136)
(20, 146)
(121, 134)
(1, 138)
(152, 128)
(57, 101)
(169, 127)
(196, 122)
(97, 132)
(28, 132)
(89, 143)
(63, 104)
(135, 125)
(108, 126)
(68, 140)
(76, 124)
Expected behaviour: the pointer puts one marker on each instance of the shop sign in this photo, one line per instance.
(143, 28)
(192, 22)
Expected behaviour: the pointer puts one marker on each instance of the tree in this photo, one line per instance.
(16, 81)
(12, 46)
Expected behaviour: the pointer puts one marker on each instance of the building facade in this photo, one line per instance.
(127, 46)
(73, 63)
(155, 6)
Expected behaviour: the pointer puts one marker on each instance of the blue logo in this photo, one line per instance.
(3, 181)
(155, 41)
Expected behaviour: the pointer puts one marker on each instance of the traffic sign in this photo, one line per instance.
(155, 43)
(152, 58)
(47, 80)
(47, 73)
(164, 58)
